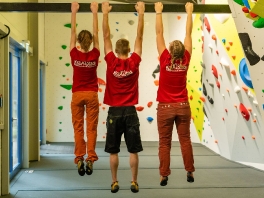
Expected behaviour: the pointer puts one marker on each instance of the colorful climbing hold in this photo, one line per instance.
(149, 104)
(139, 108)
(150, 119)
(60, 107)
(67, 64)
(63, 46)
(68, 87)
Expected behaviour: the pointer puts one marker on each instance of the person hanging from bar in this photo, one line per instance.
(172, 96)
(121, 94)
(85, 90)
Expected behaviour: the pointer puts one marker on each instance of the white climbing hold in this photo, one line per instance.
(237, 89)
(210, 46)
(211, 84)
(250, 94)
(222, 18)
(255, 102)
(224, 62)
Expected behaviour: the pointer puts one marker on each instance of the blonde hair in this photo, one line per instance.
(122, 47)
(85, 38)
(177, 50)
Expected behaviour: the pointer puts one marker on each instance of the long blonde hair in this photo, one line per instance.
(177, 50)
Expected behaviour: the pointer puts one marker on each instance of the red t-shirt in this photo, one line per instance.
(84, 70)
(172, 80)
(122, 80)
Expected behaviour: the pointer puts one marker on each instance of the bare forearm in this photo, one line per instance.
(189, 24)
(106, 29)
(140, 28)
(95, 27)
(159, 24)
(73, 23)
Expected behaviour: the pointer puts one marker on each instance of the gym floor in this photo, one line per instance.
(55, 175)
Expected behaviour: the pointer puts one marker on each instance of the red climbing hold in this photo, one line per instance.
(214, 71)
(207, 25)
(245, 10)
(244, 112)
(150, 104)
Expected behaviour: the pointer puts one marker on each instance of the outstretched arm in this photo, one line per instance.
(106, 30)
(140, 7)
(74, 10)
(189, 26)
(94, 9)
(159, 28)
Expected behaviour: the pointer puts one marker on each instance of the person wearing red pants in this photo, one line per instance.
(172, 96)
(85, 90)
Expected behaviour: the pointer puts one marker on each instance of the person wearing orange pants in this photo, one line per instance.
(85, 90)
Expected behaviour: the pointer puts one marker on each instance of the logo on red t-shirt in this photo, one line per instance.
(176, 68)
(122, 74)
(78, 63)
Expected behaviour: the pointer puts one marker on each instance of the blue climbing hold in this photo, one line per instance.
(149, 119)
(244, 73)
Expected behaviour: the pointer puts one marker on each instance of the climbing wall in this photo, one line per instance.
(59, 71)
(232, 101)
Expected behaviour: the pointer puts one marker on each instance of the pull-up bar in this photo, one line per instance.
(85, 7)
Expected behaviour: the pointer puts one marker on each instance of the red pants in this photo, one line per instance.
(85, 101)
(167, 114)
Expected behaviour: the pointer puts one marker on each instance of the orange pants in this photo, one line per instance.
(85, 101)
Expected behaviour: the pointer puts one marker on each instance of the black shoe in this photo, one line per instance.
(89, 167)
(134, 187)
(81, 169)
(114, 187)
(252, 57)
(190, 177)
(164, 181)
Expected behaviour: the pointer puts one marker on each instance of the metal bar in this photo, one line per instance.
(85, 7)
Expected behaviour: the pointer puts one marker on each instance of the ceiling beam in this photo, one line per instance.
(85, 7)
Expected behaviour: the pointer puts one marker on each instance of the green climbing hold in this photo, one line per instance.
(262, 90)
(67, 64)
(60, 130)
(68, 25)
(197, 109)
(63, 46)
(63, 75)
(195, 70)
(60, 107)
(240, 2)
(60, 122)
(60, 57)
(68, 87)
(63, 97)
(259, 23)
(199, 40)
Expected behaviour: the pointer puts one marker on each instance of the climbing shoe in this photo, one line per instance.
(114, 187)
(81, 169)
(134, 187)
(89, 167)
(190, 177)
(164, 181)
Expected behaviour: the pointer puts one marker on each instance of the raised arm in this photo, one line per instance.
(140, 7)
(106, 30)
(74, 10)
(159, 28)
(94, 9)
(189, 26)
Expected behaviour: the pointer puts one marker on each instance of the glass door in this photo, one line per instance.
(15, 139)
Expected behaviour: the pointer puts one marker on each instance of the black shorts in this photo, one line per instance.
(122, 120)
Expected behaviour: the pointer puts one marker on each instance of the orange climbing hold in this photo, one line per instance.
(254, 120)
(202, 98)
(245, 88)
(216, 141)
(150, 104)
(230, 43)
(233, 72)
(178, 17)
(249, 109)
(139, 108)
(214, 37)
(234, 57)
(156, 82)
(253, 137)
(253, 15)
(191, 97)
(100, 89)
(228, 48)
